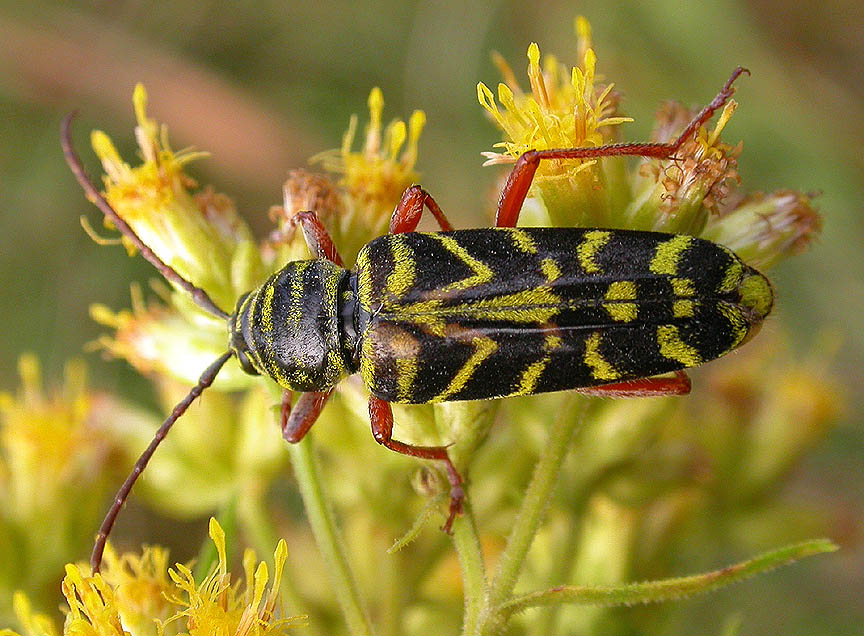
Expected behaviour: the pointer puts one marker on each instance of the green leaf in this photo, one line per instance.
(667, 589)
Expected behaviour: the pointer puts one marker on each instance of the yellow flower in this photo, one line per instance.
(680, 195)
(33, 623)
(302, 191)
(56, 465)
(218, 606)
(140, 585)
(199, 235)
(157, 340)
(373, 177)
(138, 595)
(565, 108)
(765, 228)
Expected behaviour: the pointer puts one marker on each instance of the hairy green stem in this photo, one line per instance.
(327, 538)
(533, 508)
(470, 423)
(467, 544)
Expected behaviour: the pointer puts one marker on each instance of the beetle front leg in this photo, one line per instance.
(644, 387)
(381, 416)
(296, 422)
(317, 237)
(407, 214)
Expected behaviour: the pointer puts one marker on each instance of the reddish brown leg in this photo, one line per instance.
(316, 236)
(297, 422)
(381, 416)
(407, 214)
(122, 495)
(519, 182)
(644, 387)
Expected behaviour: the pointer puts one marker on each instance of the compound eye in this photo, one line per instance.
(246, 363)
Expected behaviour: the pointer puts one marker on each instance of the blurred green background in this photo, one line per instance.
(265, 85)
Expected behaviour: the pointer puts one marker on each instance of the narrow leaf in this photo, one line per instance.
(667, 589)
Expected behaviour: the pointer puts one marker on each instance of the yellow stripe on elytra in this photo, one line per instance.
(621, 290)
(401, 278)
(429, 313)
(550, 270)
(531, 374)
(523, 241)
(732, 277)
(482, 273)
(683, 308)
(483, 348)
(737, 322)
(588, 248)
(367, 362)
(364, 284)
(552, 342)
(406, 373)
(683, 287)
(674, 348)
(668, 254)
(537, 305)
(600, 368)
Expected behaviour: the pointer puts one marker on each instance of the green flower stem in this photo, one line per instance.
(326, 536)
(470, 423)
(533, 507)
(665, 589)
(467, 544)
(545, 622)
(257, 525)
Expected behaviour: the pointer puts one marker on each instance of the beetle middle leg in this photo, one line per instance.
(317, 237)
(381, 416)
(519, 182)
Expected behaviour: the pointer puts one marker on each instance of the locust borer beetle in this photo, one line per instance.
(477, 314)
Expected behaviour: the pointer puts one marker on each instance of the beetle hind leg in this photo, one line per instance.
(643, 387)
(381, 416)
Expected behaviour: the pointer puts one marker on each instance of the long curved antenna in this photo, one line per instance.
(204, 381)
(198, 295)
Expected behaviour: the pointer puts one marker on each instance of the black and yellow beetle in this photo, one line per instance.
(480, 313)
